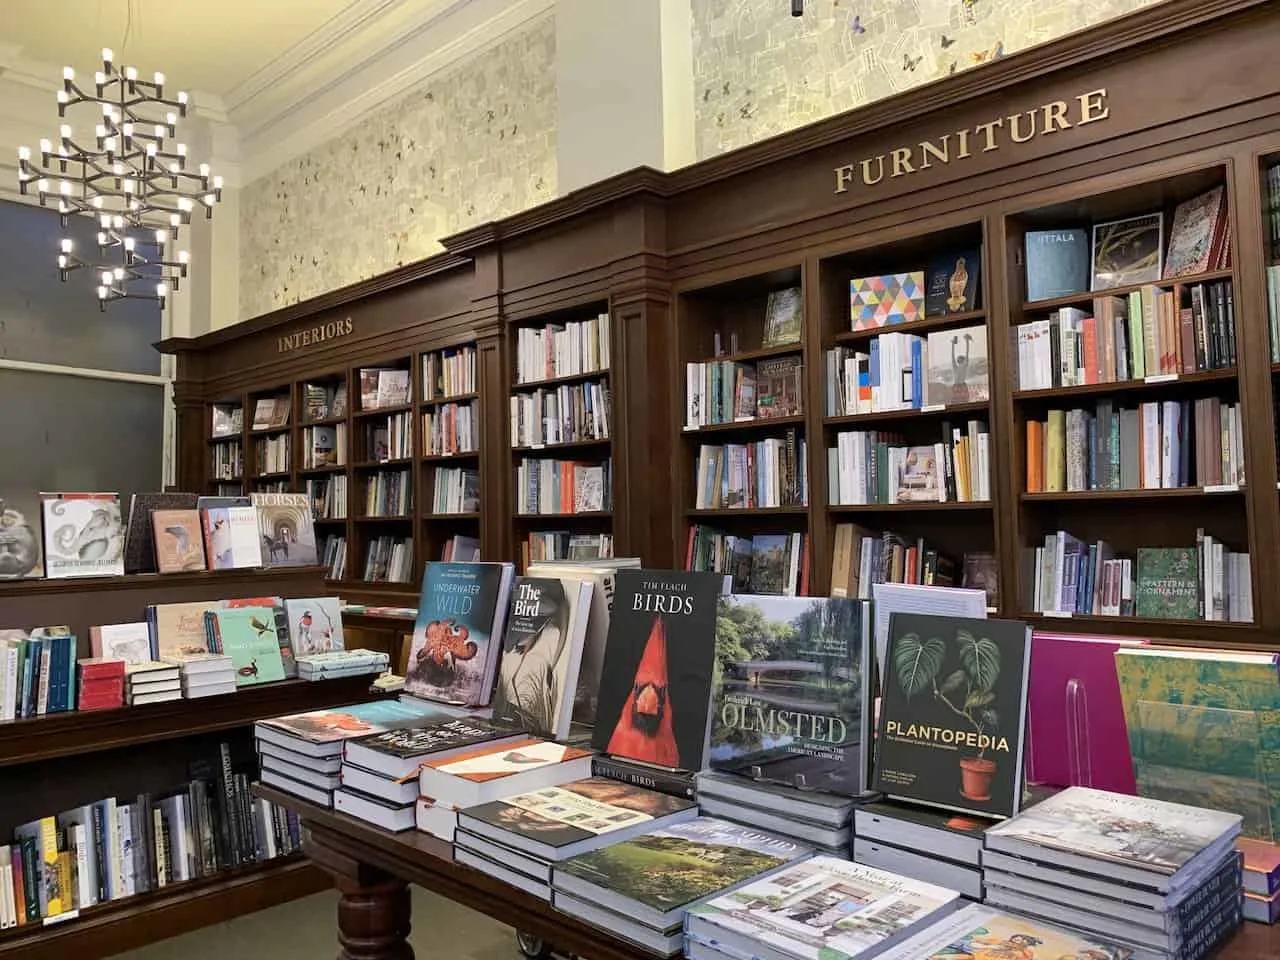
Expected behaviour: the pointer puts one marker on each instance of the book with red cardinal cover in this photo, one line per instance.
(655, 688)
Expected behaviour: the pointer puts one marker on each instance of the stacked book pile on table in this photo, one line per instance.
(151, 682)
(207, 675)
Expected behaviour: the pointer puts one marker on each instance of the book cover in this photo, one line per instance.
(778, 387)
(357, 720)
(450, 734)
(139, 535)
(231, 537)
(1127, 252)
(178, 543)
(1133, 831)
(19, 541)
(130, 642)
(982, 572)
(559, 816)
(979, 932)
(767, 567)
(1076, 726)
(886, 300)
(1204, 730)
(315, 625)
(502, 760)
(461, 612)
(952, 716)
(248, 635)
(541, 654)
(919, 479)
(684, 862)
(1168, 585)
(784, 317)
(287, 528)
(1057, 262)
(790, 697)
(1195, 224)
(958, 370)
(83, 535)
(953, 283)
(826, 909)
(656, 681)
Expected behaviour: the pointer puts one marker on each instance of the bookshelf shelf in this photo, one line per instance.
(1147, 626)
(758, 425)
(321, 471)
(1150, 384)
(273, 475)
(445, 517)
(335, 521)
(324, 422)
(457, 398)
(1125, 496)
(584, 515)
(1086, 298)
(930, 506)
(760, 353)
(549, 448)
(450, 457)
(382, 464)
(234, 478)
(748, 512)
(395, 518)
(270, 431)
(382, 411)
(559, 381)
(928, 324)
(225, 438)
(923, 413)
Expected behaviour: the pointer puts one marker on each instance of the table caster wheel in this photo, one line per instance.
(532, 947)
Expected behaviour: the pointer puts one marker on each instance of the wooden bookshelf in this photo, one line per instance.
(449, 379)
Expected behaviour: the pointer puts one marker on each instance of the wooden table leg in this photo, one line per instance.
(373, 920)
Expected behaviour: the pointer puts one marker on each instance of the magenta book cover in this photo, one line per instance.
(1076, 719)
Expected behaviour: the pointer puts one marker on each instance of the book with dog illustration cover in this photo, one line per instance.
(462, 611)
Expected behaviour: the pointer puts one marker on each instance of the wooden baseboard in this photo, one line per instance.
(105, 930)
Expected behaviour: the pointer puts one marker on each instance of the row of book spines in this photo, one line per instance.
(1148, 448)
(39, 676)
(563, 415)
(562, 545)
(563, 486)
(272, 455)
(455, 490)
(388, 559)
(333, 554)
(388, 493)
(452, 428)
(713, 551)
(767, 473)
(727, 391)
(327, 496)
(558, 350)
(861, 558)
(875, 467)
(448, 373)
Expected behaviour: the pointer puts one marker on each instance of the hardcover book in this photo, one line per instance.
(668, 869)
(130, 642)
(953, 283)
(979, 932)
(1057, 263)
(886, 300)
(462, 611)
(231, 537)
(83, 535)
(1191, 238)
(315, 625)
(789, 703)
(248, 635)
(1168, 583)
(778, 387)
(337, 724)
(19, 541)
(139, 539)
(561, 817)
(497, 770)
(1153, 835)
(541, 654)
(1127, 252)
(399, 752)
(823, 909)
(958, 370)
(656, 681)
(287, 528)
(784, 317)
(178, 542)
(953, 714)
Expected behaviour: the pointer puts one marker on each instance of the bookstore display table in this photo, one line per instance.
(372, 869)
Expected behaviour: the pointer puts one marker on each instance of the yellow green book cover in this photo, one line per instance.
(1204, 730)
(57, 897)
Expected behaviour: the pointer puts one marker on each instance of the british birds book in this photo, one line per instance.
(248, 635)
(315, 625)
(83, 535)
(790, 698)
(656, 683)
(287, 529)
(541, 654)
(462, 612)
(953, 713)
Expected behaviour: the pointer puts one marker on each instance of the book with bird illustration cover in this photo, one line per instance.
(656, 683)
(179, 543)
(139, 535)
(248, 635)
(83, 535)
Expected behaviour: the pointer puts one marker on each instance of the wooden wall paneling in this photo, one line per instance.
(493, 380)
(821, 528)
(1003, 296)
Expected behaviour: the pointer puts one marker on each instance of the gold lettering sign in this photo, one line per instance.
(312, 335)
(984, 138)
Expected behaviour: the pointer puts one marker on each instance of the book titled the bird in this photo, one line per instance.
(179, 540)
(248, 635)
(658, 663)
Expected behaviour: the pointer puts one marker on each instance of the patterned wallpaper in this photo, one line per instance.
(476, 143)
(759, 72)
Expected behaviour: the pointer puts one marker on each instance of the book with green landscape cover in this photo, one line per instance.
(789, 699)
(952, 722)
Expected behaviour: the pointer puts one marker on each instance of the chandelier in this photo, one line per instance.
(131, 174)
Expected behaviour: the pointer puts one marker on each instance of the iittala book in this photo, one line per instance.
(541, 654)
(462, 612)
(789, 704)
(821, 909)
(656, 683)
(953, 713)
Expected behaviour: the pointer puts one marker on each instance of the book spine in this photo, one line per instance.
(662, 781)
(229, 807)
(1206, 901)
(31, 878)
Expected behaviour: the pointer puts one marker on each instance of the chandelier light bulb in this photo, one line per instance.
(102, 293)
(161, 291)
(174, 168)
(171, 118)
(63, 97)
(119, 272)
(175, 221)
(184, 257)
(99, 78)
(159, 79)
(185, 204)
(204, 170)
(109, 144)
(152, 149)
(106, 278)
(217, 183)
(62, 262)
(42, 186)
(160, 237)
(106, 221)
(66, 244)
(129, 244)
(102, 238)
(68, 73)
(97, 203)
(64, 131)
(131, 73)
(24, 153)
(106, 55)
(64, 188)
(182, 149)
(117, 221)
(182, 97)
(100, 131)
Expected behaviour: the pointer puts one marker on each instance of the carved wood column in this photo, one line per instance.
(190, 452)
(493, 376)
(373, 921)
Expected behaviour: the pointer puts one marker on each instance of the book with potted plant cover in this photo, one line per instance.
(953, 717)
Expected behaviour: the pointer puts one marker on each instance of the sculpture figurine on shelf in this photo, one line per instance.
(958, 284)
(19, 545)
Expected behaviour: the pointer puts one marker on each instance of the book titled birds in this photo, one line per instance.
(462, 612)
(656, 681)
(789, 698)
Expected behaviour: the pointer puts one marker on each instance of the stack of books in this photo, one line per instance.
(819, 820)
(640, 889)
(821, 907)
(1159, 878)
(934, 846)
(101, 684)
(379, 773)
(1261, 880)
(341, 663)
(518, 840)
(151, 682)
(206, 675)
(491, 772)
(301, 753)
